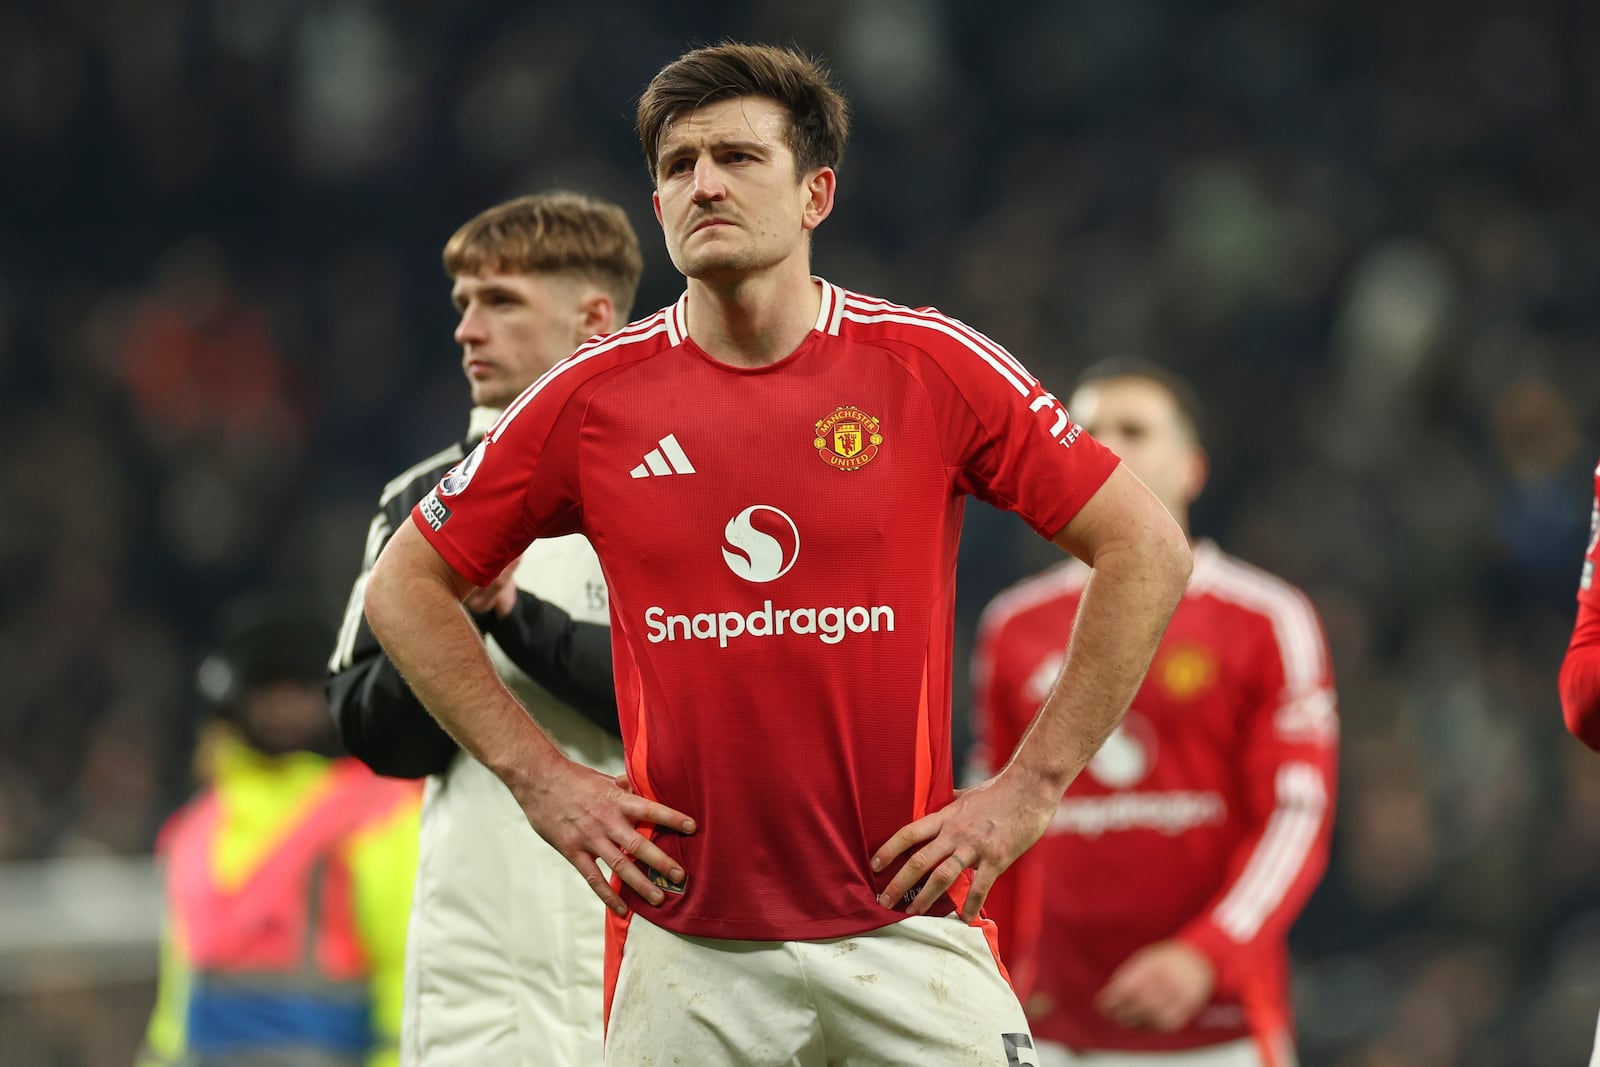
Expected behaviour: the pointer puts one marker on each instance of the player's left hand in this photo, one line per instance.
(984, 829)
(1159, 988)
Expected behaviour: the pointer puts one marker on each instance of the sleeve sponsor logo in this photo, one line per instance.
(1309, 718)
(457, 478)
(1062, 428)
(1586, 580)
(848, 439)
(433, 510)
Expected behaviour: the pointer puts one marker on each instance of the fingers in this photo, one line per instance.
(1137, 997)
(598, 883)
(940, 879)
(983, 879)
(924, 829)
(938, 863)
(641, 810)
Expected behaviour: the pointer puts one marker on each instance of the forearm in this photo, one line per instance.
(1129, 598)
(414, 609)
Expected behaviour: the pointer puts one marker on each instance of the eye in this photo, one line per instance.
(679, 165)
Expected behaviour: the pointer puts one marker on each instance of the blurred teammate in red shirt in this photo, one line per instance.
(1580, 671)
(1148, 925)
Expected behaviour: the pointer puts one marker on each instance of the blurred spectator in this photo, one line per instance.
(288, 878)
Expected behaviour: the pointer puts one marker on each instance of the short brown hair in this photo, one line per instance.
(553, 233)
(819, 117)
(1184, 397)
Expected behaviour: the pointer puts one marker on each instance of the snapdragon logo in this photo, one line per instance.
(829, 625)
(756, 555)
(761, 544)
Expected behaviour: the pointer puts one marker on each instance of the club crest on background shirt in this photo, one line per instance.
(1186, 671)
(848, 439)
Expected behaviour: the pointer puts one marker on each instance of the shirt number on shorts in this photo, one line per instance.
(1015, 1042)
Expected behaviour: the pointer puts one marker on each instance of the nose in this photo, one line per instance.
(708, 184)
(469, 331)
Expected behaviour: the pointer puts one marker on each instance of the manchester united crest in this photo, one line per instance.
(848, 439)
(1186, 671)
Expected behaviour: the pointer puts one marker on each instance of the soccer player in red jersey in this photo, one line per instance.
(772, 471)
(1148, 926)
(1580, 671)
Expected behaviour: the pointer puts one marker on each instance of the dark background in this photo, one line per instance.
(1366, 229)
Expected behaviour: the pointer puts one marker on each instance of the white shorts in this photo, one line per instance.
(1233, 1054)
(922, 990)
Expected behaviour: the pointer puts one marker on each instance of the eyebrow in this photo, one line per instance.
(668, 151)
(458, 297)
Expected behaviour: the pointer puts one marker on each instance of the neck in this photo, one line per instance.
(756, 320)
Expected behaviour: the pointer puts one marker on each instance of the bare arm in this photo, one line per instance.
(413, 603)
(1141, 565)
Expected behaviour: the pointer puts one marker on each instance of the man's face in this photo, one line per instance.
(727, 196)
(514, 327)
(1139, 420)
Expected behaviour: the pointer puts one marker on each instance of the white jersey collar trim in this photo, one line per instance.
(480, 420)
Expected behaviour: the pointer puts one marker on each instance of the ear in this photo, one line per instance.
(819, 189)
(655, 202)
(595, 311)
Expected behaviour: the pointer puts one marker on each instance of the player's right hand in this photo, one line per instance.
(593, 818)
(499, 596)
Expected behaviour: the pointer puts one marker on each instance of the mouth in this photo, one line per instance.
(706, 224)
(478, 369)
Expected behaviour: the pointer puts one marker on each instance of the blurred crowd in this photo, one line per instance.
(1366, 230)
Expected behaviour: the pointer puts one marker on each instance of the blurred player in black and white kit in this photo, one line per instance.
(506, 942)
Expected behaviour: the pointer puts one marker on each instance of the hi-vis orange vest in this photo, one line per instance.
(277, 967)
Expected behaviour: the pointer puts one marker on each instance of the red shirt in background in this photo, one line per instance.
(1206, 816)
(1580, 671)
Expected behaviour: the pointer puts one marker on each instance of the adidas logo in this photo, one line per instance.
(668, 459)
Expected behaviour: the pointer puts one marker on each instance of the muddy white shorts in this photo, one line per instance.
(925, 990)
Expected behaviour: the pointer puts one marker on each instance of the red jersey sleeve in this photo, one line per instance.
(1580, 677)
(520, 483)
(1588, 582)
(1011, 440)
(1290, 764)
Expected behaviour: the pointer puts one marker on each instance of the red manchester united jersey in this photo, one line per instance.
(1205, 816)
(780, 546)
